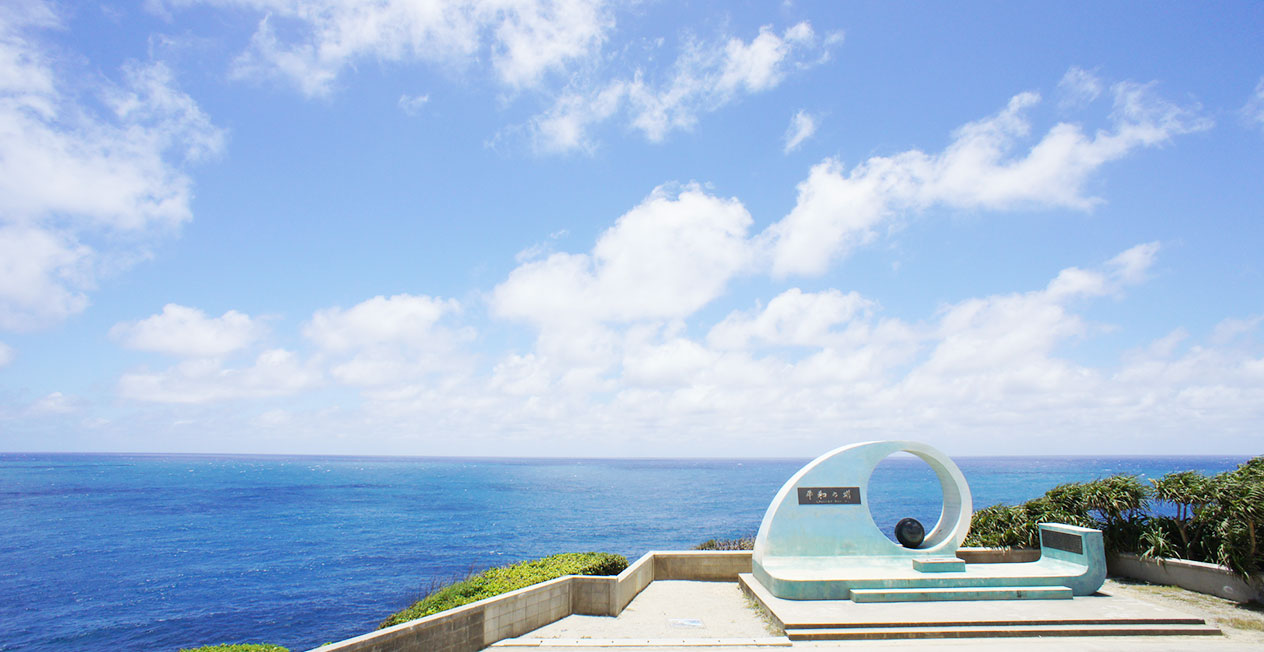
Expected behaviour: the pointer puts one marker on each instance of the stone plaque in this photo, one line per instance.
(1061, 541)
(829, 495)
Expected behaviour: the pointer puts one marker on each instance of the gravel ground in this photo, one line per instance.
(1240, 622)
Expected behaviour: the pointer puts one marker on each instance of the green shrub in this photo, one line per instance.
(1190, 492)
(503, 579)
(1000, 526)
(1018, 526)
(741, 543)
(237, 647)
(1218, 519)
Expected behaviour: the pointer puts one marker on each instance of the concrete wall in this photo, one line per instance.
(704, 565)
(479, 624)
(630, 582)
(521, 611)
(1193, 575)
(1190, 575)
(590, 596)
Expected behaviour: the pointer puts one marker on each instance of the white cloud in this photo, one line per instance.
(73, 179)
(188, 332)
(985, 362)
(275, 372)
(311, 42)
(792, 318)
(403, 318)
(1078, 88)
(540, 249)
(380, 342)
(6, 354)
(704, 78)
(44, 274)
(838, 210)
(1253, 111)
(664, 259)
(412, 104)
(1132, 266)
(54, 403)
(969, 376)
(564, 127)
(1005, 344)
(802, 127)
(661, 261)
(1231, 329)
(387, 340)
(810, 367)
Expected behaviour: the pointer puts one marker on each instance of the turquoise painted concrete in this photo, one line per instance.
(793, 530)
(1091, 561)
(939, 565)
(824, 552)
(945, 594)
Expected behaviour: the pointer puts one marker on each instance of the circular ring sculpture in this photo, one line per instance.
(818, 541)
(804, 522)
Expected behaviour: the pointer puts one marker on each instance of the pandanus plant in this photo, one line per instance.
(1239, 502)
(1189, 491)
(1218, 519)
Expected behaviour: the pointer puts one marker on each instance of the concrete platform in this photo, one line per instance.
(1101, 614)
(813, 578)
(659, 620)
(671, 614)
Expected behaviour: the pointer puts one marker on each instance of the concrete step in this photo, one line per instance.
(939, 565)
(672, 643)
(1042, 622)
(996, 631)
(937, 594)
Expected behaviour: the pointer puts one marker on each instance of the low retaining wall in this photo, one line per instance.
(1192, 575)
(479, 624)
(1196, 576)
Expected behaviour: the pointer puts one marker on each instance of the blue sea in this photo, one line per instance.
(159, 552)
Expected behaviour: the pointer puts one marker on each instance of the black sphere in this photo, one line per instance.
(910, 533)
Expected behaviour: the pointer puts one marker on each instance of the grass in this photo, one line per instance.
(765, 616)
(503, 579)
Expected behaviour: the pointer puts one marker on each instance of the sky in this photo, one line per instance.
(631, 229)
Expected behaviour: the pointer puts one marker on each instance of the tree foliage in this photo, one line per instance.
(1218, 519)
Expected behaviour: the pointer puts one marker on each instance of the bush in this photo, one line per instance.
(1218, 519)
(503, 579)
(742, 543)
(1018, 526)
(237, 647)
(1000, 526)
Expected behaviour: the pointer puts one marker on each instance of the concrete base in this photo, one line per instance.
(977, 593)
(1096, 615)
(1071, 557)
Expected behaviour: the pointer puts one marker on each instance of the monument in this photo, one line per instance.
(818, 541)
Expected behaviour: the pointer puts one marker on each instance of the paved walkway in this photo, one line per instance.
(682, 615)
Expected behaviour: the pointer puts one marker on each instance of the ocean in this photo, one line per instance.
(159, 552)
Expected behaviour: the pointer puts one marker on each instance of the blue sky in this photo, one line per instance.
(523, 227)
